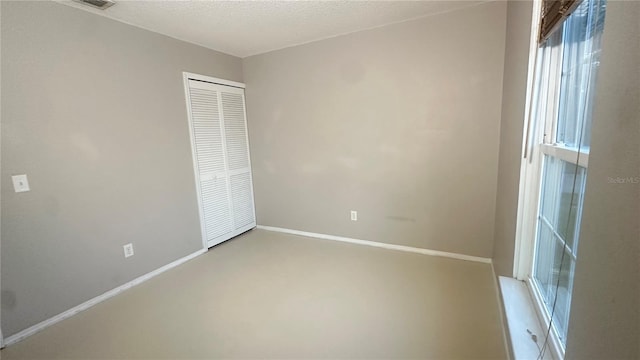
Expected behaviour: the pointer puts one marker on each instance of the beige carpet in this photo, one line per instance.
(270, 295)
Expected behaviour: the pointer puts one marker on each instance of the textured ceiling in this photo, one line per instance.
(245, 28)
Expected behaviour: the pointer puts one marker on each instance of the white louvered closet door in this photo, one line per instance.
(237, 145)
(221, 160)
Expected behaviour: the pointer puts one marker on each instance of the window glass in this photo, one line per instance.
(581, 42)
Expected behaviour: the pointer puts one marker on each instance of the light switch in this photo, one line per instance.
(20, 183)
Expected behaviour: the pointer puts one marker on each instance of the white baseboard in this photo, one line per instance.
(379, 244)
(96, 300)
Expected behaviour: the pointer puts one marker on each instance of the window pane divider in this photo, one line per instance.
(567, 154)
(558, 238)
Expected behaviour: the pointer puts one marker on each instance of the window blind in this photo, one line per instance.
(554, 12)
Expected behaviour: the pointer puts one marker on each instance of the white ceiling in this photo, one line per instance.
(245, 28)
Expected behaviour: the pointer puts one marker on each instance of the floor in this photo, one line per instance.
(272, 295)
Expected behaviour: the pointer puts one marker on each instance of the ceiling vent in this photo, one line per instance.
(98, 4)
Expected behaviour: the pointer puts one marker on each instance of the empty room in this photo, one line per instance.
(320, 179)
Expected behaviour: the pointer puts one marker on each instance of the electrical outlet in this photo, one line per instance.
(354, 215)
(20, 183)
(128, 250)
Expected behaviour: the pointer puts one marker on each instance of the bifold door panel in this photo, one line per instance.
(222, 164)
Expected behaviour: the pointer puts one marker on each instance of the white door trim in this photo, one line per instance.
(187, 98)
(188, 75)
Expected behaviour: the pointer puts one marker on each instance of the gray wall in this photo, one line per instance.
(93, 112)
(514, 90)
(605, 312)
(400, 123)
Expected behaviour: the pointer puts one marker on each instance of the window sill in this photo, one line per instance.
(522, 320)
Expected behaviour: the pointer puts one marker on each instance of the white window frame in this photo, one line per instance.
(538, 141)
(529, 178)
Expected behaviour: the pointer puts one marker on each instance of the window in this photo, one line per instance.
(556, 165)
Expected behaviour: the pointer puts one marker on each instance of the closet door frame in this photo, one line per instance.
(186, 78)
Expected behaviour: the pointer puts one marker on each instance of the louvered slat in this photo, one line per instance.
(207, 132)
(241, 195)
(209, 152)
(215, 204)
(235, 131)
